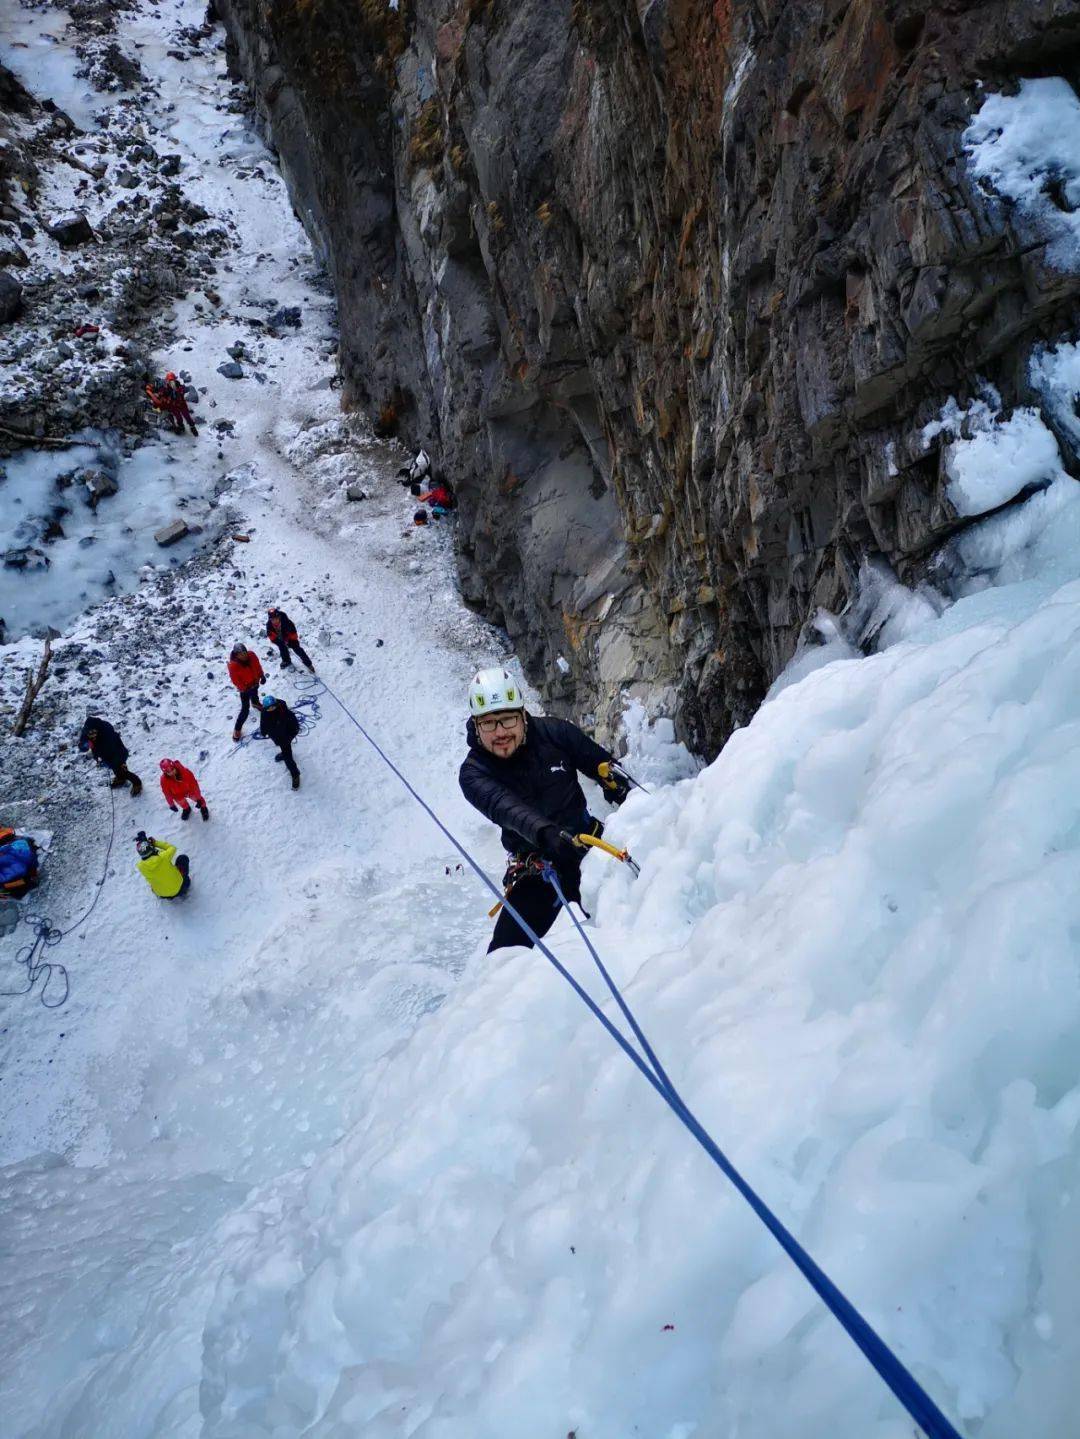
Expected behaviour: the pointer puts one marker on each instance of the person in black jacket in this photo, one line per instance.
(278, 723)
(99, 737)
(281, 631)
(522, 773)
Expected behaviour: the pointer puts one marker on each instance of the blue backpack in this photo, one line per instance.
(18, 861)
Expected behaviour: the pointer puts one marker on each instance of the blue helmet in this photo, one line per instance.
(268, 702)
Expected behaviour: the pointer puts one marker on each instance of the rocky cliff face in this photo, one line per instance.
(672, 289)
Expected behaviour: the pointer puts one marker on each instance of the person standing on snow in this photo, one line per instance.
(281, 631)
(180, 787)
(165, 871)
(246, 673)
(522, 773)
(176, 401)
(99, 737)
(278, 723)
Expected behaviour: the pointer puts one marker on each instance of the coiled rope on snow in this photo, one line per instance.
(32, 956)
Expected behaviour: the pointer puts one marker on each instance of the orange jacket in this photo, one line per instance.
(246, 672)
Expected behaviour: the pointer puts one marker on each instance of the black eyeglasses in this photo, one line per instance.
(490, 723)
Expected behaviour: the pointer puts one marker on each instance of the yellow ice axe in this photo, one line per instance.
(620, 854)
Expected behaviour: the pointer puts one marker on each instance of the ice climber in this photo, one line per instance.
(99, 737)
(180, 788)
(278, 723)
(281, 631)
(18, 864)
(165, 871)
(246, 673)
(522, 773)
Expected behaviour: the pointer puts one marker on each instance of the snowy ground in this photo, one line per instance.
(297, 1158)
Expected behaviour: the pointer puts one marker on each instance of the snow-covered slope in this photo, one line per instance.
(297, 1158)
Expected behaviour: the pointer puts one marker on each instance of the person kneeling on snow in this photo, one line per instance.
(18, 864)
(278, 723)
(165, 871)
(522, 773)
(180, 787)
(440, 497)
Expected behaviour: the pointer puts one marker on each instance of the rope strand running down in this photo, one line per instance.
(888, 1366)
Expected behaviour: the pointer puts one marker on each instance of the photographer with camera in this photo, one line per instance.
(165, 871)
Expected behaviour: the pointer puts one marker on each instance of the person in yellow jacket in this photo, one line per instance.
(165, 871)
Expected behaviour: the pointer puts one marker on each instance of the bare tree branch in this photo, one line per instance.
(33, 684)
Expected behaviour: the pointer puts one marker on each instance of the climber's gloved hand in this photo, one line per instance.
(615, 785)
(558, 846)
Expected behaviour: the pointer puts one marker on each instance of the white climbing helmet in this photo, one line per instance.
(494, 689)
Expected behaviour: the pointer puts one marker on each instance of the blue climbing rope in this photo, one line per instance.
(547, 869)
(32, 956)
(306, 709)
(898, 1378)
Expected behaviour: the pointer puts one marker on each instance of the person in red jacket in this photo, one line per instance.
(180, 787)
(176, 400)
(246, 673)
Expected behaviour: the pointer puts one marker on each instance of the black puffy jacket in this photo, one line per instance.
(107, 747)
(538, 784)
(280, 627)
(279, 723)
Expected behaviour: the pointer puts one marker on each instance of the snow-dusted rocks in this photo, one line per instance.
(11, 297)
(26, 558)
(99, 483)
(169, 534)
(71, 230)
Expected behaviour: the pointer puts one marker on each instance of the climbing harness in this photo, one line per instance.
(900, 1381)
(516, 870)
(533, 864)
(32, 955)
